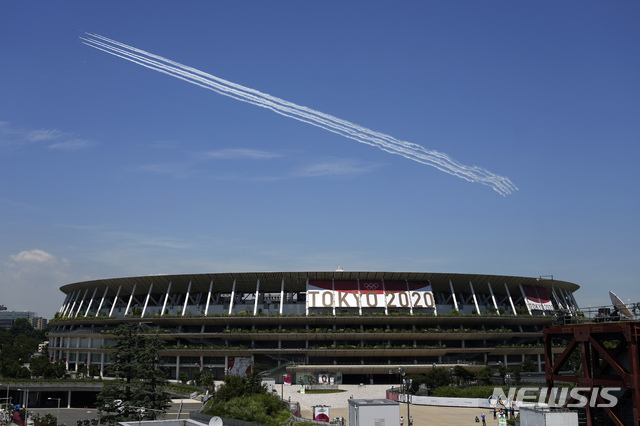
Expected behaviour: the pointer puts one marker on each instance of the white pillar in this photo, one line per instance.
(453, 293)
(115, 301)
(567, 298)
(206, 309)
(475, 300)
(282, 297)
(255, 304)
(166, 299)
(104, 296)
(435, 304)
(186, 299)
(513, 307)
(65, 303)
(384, 295)
(556, 298)
(70, 303)
(81, 301)
(130, 299)
(306, 300)
(575, 304)
(233, 297)
(86, 313)
(146, 300)
(539, 364)
(493, 298)
(358, 299)
(524, 298)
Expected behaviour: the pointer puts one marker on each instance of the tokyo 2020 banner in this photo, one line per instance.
(369, 294)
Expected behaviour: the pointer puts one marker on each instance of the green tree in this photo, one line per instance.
(139, 382)
(263, 408)
(437, 377)
(516, 374)
(21, 326)
(485, 375)
(48, 420)
(246, 398)
(82, 371)
(528, 365)
(240, 386)
(56, 370)
(39, 365)
(463, 375)
(17, 346)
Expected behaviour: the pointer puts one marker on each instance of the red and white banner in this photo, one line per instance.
(537, 298)
(321, 413)
(238, 366)
(286, 378)
(369, 294)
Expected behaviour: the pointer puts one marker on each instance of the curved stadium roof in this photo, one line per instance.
(296, 281)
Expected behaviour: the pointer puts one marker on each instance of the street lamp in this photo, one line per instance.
(407, 387)
(26, 406)
(8, 408)
(407, 384)
(57, 418)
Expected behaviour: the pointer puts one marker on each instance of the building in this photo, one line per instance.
(338, 327)
(363, 412)
(7, 318)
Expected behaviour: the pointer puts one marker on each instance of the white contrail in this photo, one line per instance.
(387, 143)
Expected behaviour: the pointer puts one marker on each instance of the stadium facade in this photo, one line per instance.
(342, 327)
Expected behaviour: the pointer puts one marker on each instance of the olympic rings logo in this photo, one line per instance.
(502, 401)
(371, 286)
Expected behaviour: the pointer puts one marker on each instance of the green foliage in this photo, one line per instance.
(246, 398)
(16, 347)
(240, 386)
(432, 379)
(41, 367)
(48, 420)
(139, 382)
(82, 371)
(528, 365)
(485, 376)
(259, 408)
(204, 378)
(94, 370)
(503, 370)
(516, 373)
(463, 375)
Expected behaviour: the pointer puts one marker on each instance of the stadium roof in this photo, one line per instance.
(296, 281)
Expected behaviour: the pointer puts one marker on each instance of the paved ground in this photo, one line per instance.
(422, 415)
(338, 403)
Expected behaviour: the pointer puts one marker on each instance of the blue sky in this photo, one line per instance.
(109, 169)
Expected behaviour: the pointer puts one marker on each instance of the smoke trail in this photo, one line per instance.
(387, 143)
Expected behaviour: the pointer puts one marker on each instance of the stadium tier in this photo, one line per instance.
(339, 327)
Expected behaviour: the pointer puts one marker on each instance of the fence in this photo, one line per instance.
(204, 418)
(293, 406)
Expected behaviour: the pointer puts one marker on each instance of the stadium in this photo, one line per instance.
(315, 327)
